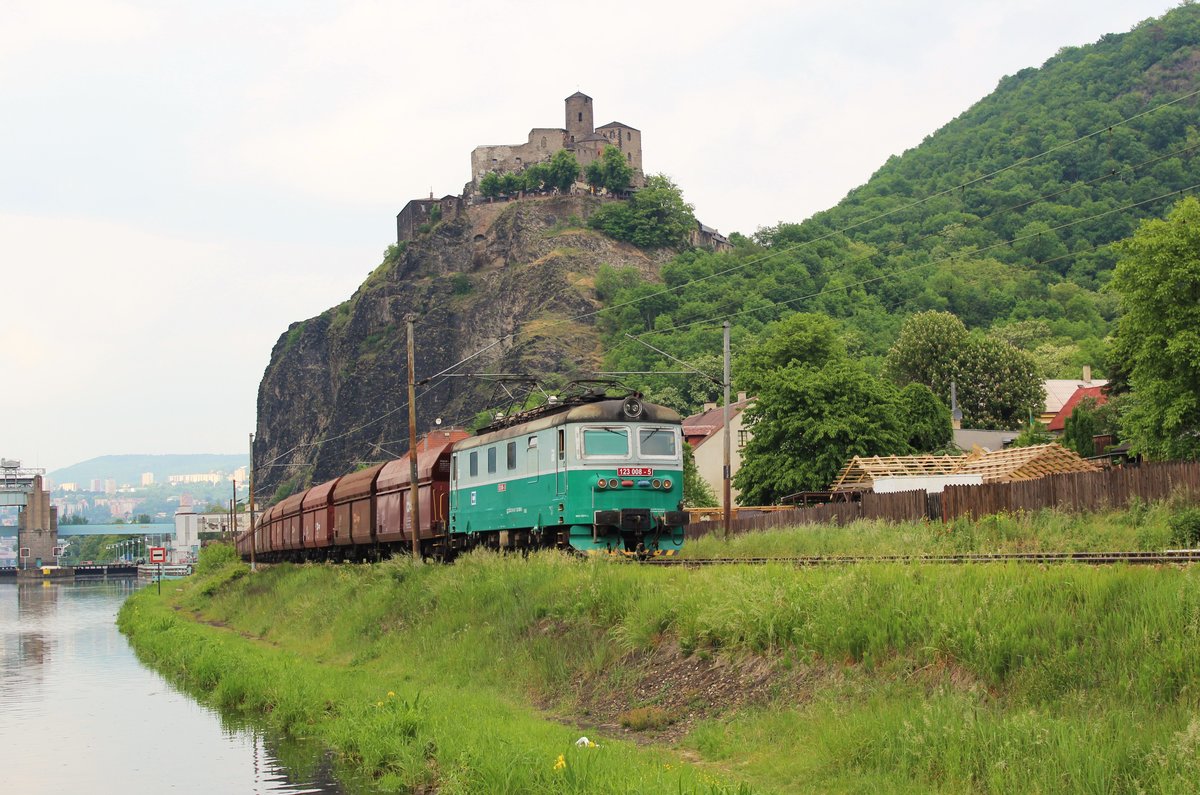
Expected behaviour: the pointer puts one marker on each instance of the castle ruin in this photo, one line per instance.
(578, 136)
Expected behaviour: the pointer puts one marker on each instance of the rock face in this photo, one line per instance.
(511, 278)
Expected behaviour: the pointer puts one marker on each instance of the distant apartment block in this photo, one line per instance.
(110, 486)
(147, 478)
(69, 487)
(239, 474)
(96, 485)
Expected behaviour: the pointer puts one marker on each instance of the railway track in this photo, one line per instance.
(1170, 557)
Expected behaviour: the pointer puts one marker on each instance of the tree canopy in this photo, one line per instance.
(998, 385)
(808, 421)
(1158, 336)
(654, 217)
(610, 172)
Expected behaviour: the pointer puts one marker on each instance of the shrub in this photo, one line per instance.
(215, 557)
(1185, 527)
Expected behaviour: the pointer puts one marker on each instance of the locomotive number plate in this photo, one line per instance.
(634, 472)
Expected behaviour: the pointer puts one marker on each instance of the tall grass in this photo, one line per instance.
(905, 678)
(1142, 527)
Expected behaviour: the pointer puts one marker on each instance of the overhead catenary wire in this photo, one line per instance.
(897, 246)
(881, 277)
(792, 247)
(879, 216)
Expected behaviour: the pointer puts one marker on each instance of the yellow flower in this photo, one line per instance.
(591, 744)
(391, 694)
(560, 763)
(379, 703)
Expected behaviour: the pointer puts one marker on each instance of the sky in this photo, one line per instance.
(179, 181)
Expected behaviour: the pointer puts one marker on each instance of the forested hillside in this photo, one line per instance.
(1003, 217)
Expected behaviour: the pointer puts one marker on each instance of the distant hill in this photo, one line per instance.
(129, 468)
(1054, 165)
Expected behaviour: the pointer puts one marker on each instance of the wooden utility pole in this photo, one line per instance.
(252, 530)
(726, 475)
(414, 499)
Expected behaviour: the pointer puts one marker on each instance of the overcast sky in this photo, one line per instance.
(181, 180)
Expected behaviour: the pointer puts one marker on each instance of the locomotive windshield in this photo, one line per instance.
(657, 442)
(606, 442)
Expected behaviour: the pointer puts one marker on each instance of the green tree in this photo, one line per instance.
(511, 183)
(1158, 336)
(489, 186)
(562, 171)
(926, 419)
(654, 217)
(535, 177)
(1032, 433)
(696, 491)
(802, 338)
(610, 171)
(808, 422)
(1080, 427)
(998, 385)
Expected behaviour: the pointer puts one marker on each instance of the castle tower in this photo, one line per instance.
(579, 117)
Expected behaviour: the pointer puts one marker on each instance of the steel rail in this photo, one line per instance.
(1169, 557)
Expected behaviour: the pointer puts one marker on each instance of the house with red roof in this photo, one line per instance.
(1059, 422)
(705, 432)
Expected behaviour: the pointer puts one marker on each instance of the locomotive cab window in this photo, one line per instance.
(474, 463)
(606, 442)
(657, 442)
(512, 455)
(562, 444)
(491, 460)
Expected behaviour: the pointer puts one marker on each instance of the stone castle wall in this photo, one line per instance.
(542, 144)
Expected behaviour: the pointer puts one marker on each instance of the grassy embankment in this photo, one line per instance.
(995, 678)
(1141, 527)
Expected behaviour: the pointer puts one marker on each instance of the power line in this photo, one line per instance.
(794, 246)
(960, 187)
(881, 277)
(897, 246)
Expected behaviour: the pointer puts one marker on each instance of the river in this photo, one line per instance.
(79, 713)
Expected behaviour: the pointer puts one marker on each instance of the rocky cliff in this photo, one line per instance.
(334, 394)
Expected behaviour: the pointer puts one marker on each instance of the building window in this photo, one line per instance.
(581, 117)
(743, 437)
(628, 136)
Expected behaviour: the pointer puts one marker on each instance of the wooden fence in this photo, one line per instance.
(1081, 491)
(1078, 492)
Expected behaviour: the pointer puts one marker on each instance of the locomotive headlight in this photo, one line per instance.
(667, 483)
(656, 483)
(602, 484)
(612, 483)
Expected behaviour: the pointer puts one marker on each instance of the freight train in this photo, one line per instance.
(590, 473)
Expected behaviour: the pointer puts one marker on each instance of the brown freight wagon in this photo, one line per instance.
(316, 531)
(353, 507)
(289, 516)
(393, 520)
(261, 531)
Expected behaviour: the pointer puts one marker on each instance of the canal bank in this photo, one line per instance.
(79, 713)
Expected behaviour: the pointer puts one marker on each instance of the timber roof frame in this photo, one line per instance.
(1001, 466)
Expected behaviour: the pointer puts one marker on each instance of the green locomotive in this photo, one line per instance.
(600, 475)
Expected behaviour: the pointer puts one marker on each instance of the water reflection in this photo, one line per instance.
(79, 712)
